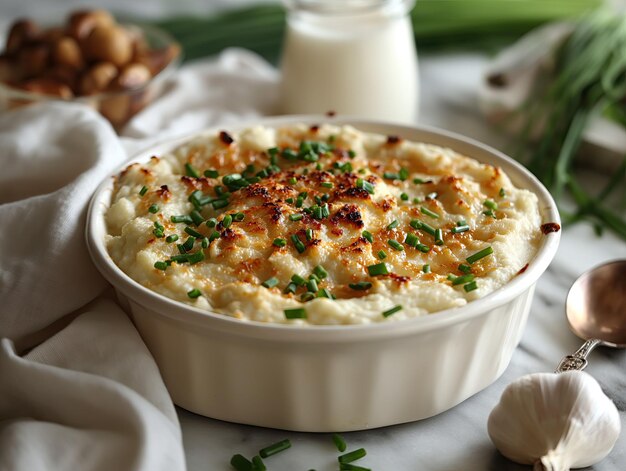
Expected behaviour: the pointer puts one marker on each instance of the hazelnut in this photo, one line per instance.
(63, 74)
(45, 86)
(66, 52)
(22, 32)
(133, 76)
(108, 43)
(33, 59)
(157, 59)
(51, 35)
(7, 69)
(80, 23)
(97, 78)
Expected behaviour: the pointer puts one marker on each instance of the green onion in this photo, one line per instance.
(270, 282)
(490, 213)
(188, 245)
(459, 229)
(411, 240)
(153, 209)
(470, 287)
(416, 201)
(291, 288)
(395, 245)
(171, 238)
(428, 212)
(295, 217)
(403, 174)
(241, 463)
(351, 154)
(460, 280)
(390, 176)
(191, 172)
(422, 248)
(158, 233)
(426, 268)
(297, 313)
(320, 272)
(368, 236)
(214, 235)
(392, 311)
(183, 218)
(338, 440)
(393, 224)
(227, 221)
(439, 237)
(257, 464)
(219, 204)
(418, 181)
(452, 277)
(196, 217)
(404, 197)
(502, 193)
(309, 233)
(300, 247)
(326, 184)
(465, 268)
(299, 202)
(160, 265)
(324, 293)
(360, 286)
(195, 257)
(143, 190)
(382, 254)
(193, 232)
(211, 173)
(239, 217)
(364, 184)
(478, 255)
(304, 297)
(378, 269)
(420, 225)
(461, 222)
(311, 286)
(279, 242)
(205, 242)
(183, 258)
(325, 210)
(298, 280)
(293, 180)
(194, 293)
(491, 204)
(356, 454)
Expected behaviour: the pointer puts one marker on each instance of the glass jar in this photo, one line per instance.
(353, 57)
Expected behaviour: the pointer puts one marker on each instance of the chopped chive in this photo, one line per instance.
(171, 238)
(416, 201)
(297, 313)
(489, 212)
(196, 217)
(360, 286)
(194, 293)
(159, 226)
(418, 181)
(188, 245)
(411, 240)
(143, 191)
(158, 233)
(478, 255)
(304, 297)
(211, 173)
(395, 245)
(364, 184)
(390, 176)
(439, 236)
(195, 257)
(378, 269)
(239, 217)
(317, 212)
(295, 217)
(320, 272)
(428, 212)
(279, 242)
(393, 224)
(153, 209)
(325, 210)
(313, 276)
(298, 280)
(309, 233)
(299, 202)
(160, 265)
(257, 464)
(214, 235)
(422, 248)
(291, 288)
(300, 247)
(460, 280)
(471, 286)
(353, 455)
(392, 311)
(289, 200)
(491, 204)
(183, 258)
(191, 172)
(461, 222)
(451, 277)
(227, 221)
(205, 242)
(270, 282)
(403, 174)
(426, 268)
(465, 268)
(211, 223)
(382, 254)
(368, 236)
(219, 204)
(241, 463)
(420, 225)
(311, 286)
(502, 193)
(351, 154)
(338, 440)
(404, 197)
(324, 293)
(193, 232)
(182, 218)
(318, 166)
(293, 180)
(327, 184)
(459, 229)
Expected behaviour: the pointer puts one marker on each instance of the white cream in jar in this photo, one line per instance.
(356, 58)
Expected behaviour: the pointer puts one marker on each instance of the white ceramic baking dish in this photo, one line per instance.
(331, 378)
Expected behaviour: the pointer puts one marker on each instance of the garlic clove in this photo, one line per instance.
(554, 421)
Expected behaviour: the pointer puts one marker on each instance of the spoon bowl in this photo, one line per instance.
(596, 305)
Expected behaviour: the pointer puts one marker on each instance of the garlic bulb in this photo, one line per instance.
(554, 421)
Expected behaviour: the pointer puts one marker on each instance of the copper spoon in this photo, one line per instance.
(596, 312)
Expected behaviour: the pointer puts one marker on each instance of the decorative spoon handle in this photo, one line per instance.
(577, 361)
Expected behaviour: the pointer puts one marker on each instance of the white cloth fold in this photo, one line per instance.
(89, 395)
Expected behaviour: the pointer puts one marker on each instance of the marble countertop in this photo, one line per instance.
(456, 439)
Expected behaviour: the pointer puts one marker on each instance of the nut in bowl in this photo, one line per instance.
(234, 324)
(115, 68)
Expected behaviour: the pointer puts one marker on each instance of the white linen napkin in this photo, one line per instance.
(78, 388)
